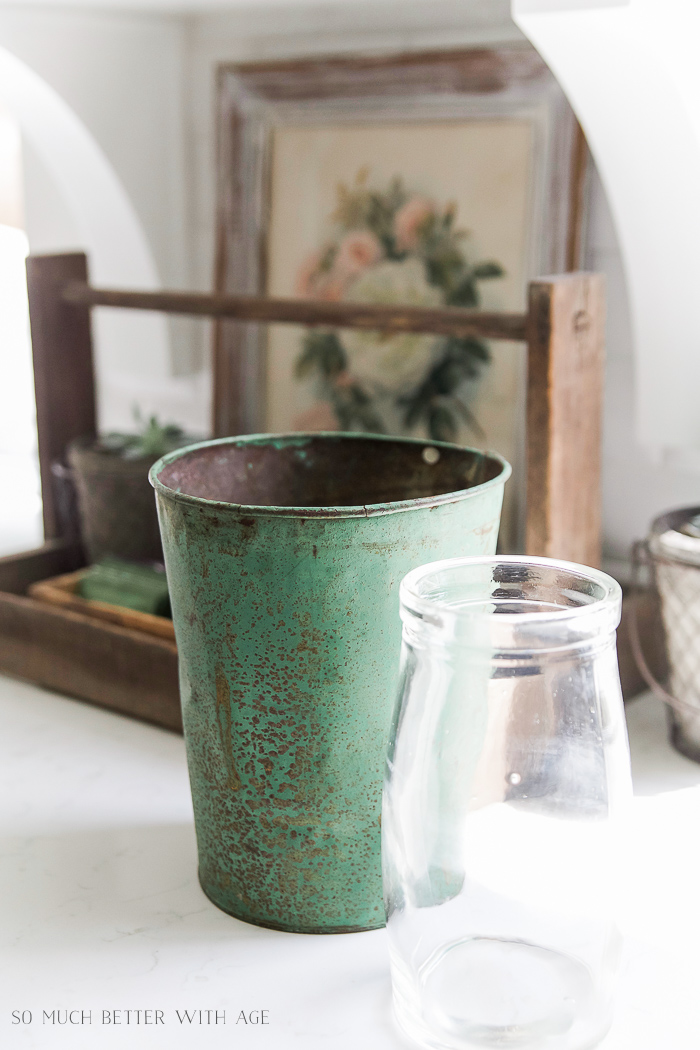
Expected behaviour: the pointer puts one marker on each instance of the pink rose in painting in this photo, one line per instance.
(343, 381)
(357, 251)
(314, 283)
(409, 219)
(331, 287)
(320, 417)
(307, 278)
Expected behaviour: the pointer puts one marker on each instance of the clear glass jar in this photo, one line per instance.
(508, 769)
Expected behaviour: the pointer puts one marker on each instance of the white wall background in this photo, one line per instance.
(638, 482)
(143, 84)
(123, 78)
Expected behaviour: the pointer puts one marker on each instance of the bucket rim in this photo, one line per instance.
(358, 511)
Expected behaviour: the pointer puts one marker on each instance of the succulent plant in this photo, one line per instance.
(151, 441)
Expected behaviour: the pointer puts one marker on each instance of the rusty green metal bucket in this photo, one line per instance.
(284, 556)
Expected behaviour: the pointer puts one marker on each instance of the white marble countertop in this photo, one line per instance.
(101, 911)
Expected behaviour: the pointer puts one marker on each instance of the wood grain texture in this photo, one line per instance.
(231, 364)
(123, 670)
(64, 379)
(239, 367)
(62, 591)
(473, 71)
(111, 666)
(578, 199)
(447, 320)
(19, 571)
(566, 359)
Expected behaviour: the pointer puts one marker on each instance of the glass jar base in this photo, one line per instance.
(486, 992)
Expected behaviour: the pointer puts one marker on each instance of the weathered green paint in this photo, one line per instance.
(288, 632)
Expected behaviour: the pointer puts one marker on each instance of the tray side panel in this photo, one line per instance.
(128, 672)
(18, 571)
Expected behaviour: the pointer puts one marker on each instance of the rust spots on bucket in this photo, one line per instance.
(286, 608)
(223, 718)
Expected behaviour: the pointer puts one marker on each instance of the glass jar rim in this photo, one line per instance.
(607, 599)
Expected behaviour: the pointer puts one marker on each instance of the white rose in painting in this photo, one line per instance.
(380, 247)
(398, 361)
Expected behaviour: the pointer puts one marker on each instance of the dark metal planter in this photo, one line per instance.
(284, 555)
(117, 515)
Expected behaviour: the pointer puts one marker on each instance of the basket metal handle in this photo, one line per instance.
(641, 555)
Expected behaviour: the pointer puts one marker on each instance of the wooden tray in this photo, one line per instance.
(61, 647)
(117, 666)
(61, 590)
(111, 664)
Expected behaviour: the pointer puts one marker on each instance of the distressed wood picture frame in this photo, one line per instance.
(261, 103)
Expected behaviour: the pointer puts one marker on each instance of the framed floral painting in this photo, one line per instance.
(444, 179)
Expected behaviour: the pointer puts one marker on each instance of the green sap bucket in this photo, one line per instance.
(284, 557)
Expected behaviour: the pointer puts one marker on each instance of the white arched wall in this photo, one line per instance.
(128, 344)
(630, 70)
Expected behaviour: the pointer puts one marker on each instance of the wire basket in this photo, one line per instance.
(672, 554)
